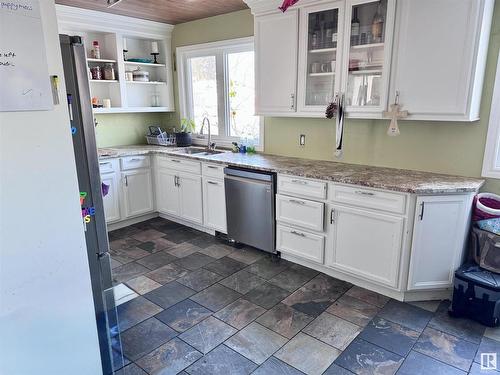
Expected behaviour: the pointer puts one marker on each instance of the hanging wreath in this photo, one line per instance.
(286, 4)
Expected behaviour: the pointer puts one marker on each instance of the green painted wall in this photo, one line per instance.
(445, 147)
(126, 128)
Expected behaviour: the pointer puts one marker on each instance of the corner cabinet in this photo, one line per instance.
(276, 35)
(440, 229)
(432, 52)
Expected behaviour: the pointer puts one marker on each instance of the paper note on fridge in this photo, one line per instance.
(24, 77)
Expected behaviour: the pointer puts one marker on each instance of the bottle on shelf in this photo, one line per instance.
(109, 72)
(328, 35)
(96, 51)
(355, 28)
(378, 24)
(316, 34)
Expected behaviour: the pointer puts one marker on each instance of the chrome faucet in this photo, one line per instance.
(210, 145)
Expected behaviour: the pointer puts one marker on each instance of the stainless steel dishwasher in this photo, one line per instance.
(250, 197)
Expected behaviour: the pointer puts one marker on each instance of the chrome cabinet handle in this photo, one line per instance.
(332, 216)
(175, 181)
(212, 167)
(126, 181)
(296, 201)
(136, 159)
(301, 182)
(359, 192)
(213, 183)
(175, 160)
(297, 233)
(292, 98)
(422, 208)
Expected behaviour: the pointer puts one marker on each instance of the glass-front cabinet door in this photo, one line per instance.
(320, 46)
(367, 54)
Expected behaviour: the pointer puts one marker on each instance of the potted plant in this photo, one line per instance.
(183, 138)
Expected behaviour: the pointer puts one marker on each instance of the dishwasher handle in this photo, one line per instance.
(249, 174)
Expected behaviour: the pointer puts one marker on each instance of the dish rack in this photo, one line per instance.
(159, 137)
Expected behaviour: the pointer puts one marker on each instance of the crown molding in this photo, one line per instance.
(75, 19)
(271, 6)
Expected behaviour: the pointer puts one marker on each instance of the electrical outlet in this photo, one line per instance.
(302, 140)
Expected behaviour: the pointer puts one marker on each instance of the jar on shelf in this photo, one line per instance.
(129, 75)
(96, 72)
(155, 99)
(141, 75)
(109, 72)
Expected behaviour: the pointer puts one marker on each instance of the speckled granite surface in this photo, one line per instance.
(401, 180)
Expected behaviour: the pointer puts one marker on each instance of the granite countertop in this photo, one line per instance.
(401, 180)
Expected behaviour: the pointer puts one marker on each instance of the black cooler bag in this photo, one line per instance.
(476, 295)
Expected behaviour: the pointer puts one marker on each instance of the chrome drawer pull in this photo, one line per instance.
(302, 182)
(212, 167)
(213, 183)
(136, 159)
(296, 201)
(297, 233)
(175, 161)
(359, 192)
(103, 164)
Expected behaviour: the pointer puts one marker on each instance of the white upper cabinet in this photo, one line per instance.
(440, 56)
(276, 63)
(433, 52)
(320, 51)
(125, 46)
(367, 56)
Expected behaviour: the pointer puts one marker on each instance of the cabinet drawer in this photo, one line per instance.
(213, 170)
(179, 164)
(302, 187)
(108, 166)
(134, 162)
(361, 197)
(300, 243)
(300, 212)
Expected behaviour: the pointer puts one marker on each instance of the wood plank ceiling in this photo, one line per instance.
(167, 11)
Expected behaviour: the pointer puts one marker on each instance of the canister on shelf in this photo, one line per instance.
(129, 75)
(96, 72)
(109, 72)
(141, 75)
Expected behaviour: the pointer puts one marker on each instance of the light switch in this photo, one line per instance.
(302, 140)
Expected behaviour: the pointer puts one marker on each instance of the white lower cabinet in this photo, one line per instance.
(167, 195)
(300, 243)
(438, 240)
(214, 204)
(190, 197)
(137, 192)
(366, 244)
(112, 200)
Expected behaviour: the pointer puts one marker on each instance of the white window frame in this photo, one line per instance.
(220, 50)
(492, 149)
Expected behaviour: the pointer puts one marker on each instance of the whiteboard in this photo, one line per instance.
(24, 76)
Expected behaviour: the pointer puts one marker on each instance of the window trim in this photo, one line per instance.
(220, 50)
(492, 148)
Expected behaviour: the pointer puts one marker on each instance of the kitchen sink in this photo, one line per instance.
(197, 151)
(191, 150)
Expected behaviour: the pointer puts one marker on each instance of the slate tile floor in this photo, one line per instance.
(203, 307)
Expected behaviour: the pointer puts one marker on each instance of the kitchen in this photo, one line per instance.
(270, 234)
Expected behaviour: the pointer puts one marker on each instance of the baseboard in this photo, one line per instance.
(134, 220)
